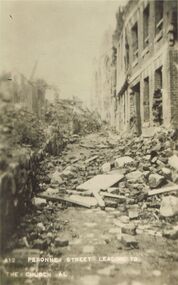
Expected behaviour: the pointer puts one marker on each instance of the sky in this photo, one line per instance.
(62, 36)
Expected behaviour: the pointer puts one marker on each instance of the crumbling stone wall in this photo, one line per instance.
(19, 183)
(17, 186)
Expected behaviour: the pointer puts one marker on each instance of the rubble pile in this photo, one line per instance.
(69, 117)
(19, 127)
(60, 124)
(136, 178)
(25, 140)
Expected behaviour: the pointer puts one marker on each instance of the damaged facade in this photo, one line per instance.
(104, 85)
(143, 67)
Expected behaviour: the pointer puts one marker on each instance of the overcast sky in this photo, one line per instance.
(64, 36)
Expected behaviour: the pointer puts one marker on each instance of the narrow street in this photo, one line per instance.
(89, 142)
(94, 246)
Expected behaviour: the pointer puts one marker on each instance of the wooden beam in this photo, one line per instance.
(87, 193)
(123, 198)
(163, 190)
(91, 159)
(98, 197)
(64, 199)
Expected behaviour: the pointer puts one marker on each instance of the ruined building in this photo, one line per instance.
(31, 95)
(102, 79)
(145, 67)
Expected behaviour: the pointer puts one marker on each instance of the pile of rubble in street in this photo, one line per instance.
(136, 177)
(60, 122)
(26, 137)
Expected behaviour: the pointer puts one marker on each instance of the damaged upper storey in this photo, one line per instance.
(145, 72)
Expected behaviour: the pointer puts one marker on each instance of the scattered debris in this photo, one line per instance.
(131, 207)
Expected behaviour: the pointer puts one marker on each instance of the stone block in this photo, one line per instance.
(123, 161)
(106, 167)
(129, 240)
(133, 213)
(166, 172)
(155, 180)
(173, 162)
(40, 244)
(134, 175)
(171, 233)
(169, 206)
(59, 242)
(56, 178)
(38, 201)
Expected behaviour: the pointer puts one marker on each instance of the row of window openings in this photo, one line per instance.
(146, 19)
(157, 110)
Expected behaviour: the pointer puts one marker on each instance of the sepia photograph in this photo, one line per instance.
(88, 142)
